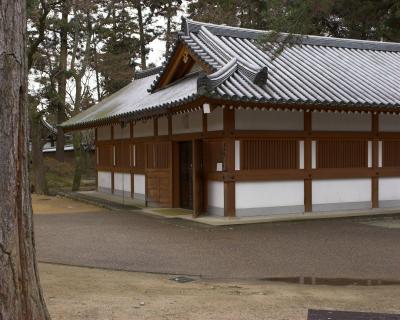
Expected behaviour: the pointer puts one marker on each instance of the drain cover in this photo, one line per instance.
(182, 279)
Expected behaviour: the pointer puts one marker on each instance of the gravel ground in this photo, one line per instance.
(73, 233)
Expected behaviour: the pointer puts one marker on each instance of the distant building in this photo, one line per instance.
(226, 127)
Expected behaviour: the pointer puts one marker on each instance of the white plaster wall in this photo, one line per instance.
(323, 121)
(139, 184)
(122, 181)
(143, 128)
(389, 123)
(216, 194)
(104, 179)
(341, 190)
(237, 154)
(187, 122)
(122, 133)
(301, 154)
(265, 194)
(163, 126)
(268, 120)
(104, 133)
(215, 120)
(389, 189)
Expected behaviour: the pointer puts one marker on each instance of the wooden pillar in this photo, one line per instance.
(132, 146)
(155, 127)
(205, 124)
(96, 149)
(308, 162)
(113, 164)
(375, 160)
(197, 177)
(229, 174)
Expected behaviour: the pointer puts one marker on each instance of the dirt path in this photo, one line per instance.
(81, 293)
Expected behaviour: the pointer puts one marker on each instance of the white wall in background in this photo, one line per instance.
(104, 133)
(104, 179)
(324, 121)
(268, 120)
(122, 181)
(216, 194)
(143, 128)
(139, 184)
(341, 190)
(163, 126)
(187, 122)
(215, 120)
(122, 133)
(389, 123)
(265, 194)
(389, 189)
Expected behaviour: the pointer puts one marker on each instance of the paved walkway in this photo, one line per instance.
(129, 240)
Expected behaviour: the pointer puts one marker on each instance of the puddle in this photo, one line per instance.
(182, 279)
(334, 281)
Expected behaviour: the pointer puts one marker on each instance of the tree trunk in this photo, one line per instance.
(20, 293)
(168, 36)
(62, 80)
(38, 172)
(141, 36)
(77, 139)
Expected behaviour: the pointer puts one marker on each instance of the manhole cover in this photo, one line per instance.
(182, 279)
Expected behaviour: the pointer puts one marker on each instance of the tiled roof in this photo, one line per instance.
(313, 70)
(134, 102)
(317, 70)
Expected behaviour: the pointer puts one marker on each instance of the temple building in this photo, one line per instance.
(234, 125)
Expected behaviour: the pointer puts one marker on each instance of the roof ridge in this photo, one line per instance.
(238, 32)
(140, 74)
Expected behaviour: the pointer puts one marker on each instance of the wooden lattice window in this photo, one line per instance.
(391, 153)
(105, 155)
(342, 154)
(158, 155)
(269, 154)
(122, 154)
(214, 152)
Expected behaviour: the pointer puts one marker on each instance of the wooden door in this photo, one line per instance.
(186, 175)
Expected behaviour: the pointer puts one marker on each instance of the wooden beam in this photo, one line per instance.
(197, 177)
(155, 127)
(229, 176)
(375, 160)
(308, 162)
(113, 162)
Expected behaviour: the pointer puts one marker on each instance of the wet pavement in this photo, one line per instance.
(136, 242)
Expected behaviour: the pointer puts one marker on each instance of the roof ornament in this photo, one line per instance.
(261, 77)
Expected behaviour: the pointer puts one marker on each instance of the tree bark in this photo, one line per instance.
(141, 36)
(62, 80)
(20, 293)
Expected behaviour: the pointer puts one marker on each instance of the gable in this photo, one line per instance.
(181, 63)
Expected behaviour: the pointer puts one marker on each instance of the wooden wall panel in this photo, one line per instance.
(122, 154)
(269, 154)
(158, 188)
(213, 152)
(105, 155)
(391, 153)
(158, 155)
(140, 155)
(338, 153)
